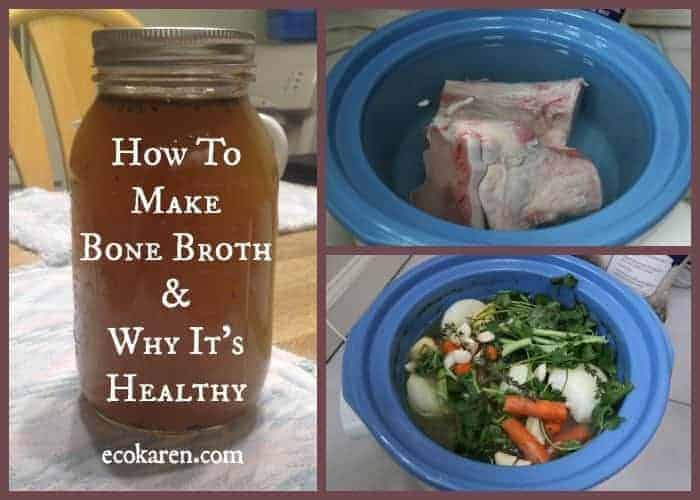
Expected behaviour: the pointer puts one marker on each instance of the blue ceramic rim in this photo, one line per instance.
(620, 222)
(368, 388)
(392, 55)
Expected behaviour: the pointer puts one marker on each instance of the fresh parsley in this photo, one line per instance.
(428, 363)
(529, 330)
(611, 394)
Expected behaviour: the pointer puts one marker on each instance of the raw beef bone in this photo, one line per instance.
(547, 107)
(497, 153)
(547, 185)
(459, 153)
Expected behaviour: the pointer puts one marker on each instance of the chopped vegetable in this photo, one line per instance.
(552, 428)
(423, 396)
(516, 380)
(526, 443)
(501, 458)
(514, 345)
(462, 368)
(580, 388)
(491, 352)
(458, 356)
(461, 356)
(534, 427)
(486, 337)
(424, 344)
(447, 347)
(464, 331)
(428, 363)
(579, 432)
(541, 372)
(550, 411)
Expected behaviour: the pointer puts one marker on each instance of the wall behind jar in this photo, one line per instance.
(246, 20)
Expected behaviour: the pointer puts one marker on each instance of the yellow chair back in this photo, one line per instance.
(61, 41)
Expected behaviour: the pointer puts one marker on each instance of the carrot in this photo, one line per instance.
(531, 449)
(462, 368)
(578, 432)
(491, 352)
(552, 428)
(549, 411)
(447, 347)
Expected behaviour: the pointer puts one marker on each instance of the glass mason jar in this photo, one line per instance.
(169, 87)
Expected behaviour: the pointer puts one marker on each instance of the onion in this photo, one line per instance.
(461, 311)
(422, 343)
(520, 374)
(579, 388)
(423, 397)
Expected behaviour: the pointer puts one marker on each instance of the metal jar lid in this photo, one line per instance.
(173, 45)
(147, 61)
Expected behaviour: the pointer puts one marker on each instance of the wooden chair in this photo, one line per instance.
(61, 39)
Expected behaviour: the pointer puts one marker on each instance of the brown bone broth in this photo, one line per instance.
(128, 292)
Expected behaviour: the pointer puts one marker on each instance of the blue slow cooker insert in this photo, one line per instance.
(633, 122)
(373, 375)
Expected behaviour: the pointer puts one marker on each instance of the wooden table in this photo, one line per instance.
(294, 327)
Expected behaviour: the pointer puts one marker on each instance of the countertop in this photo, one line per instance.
(362, 464)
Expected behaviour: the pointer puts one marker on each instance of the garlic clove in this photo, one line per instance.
(541, 372)
(449, 361)
(471, 345)
(501, 458)
(461, 356)
(485, 337)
